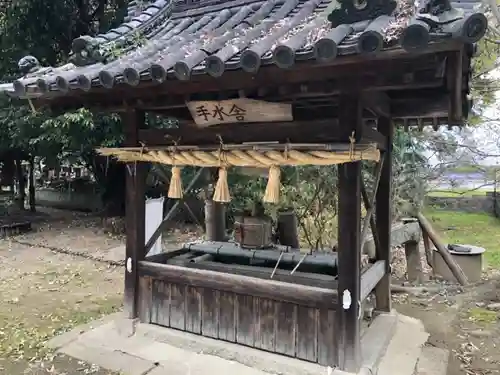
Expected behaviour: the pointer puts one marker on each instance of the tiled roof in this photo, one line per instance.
(182, 39)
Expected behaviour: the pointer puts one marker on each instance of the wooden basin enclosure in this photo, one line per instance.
(277, 316)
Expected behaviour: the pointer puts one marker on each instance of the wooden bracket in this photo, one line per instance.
(377, 102)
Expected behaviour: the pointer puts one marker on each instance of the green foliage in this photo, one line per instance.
(47, 29)
(483, 86)
(480, 229)
(312, 191)
(409, 168)
(114, 50)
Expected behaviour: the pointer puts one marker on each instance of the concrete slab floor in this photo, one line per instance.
(154, 350)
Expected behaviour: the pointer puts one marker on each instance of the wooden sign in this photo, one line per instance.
(207, 113)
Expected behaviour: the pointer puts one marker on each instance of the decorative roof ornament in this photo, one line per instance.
(86, 50)
(28, 64)
(351, 11)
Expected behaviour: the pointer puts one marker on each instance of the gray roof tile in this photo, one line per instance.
(217, 36)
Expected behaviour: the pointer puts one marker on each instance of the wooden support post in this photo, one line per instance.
(135, 212)
(215, 220)
(383, 215)
(428, 250)
(31, 184)
(448, 259)
(215, 213)
(21, 183)
(369, 202)
(349, 249)
(288, 228)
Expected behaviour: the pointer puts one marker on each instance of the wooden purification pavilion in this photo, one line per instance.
(315, 77)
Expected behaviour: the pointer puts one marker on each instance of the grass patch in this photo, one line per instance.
(469, 228)
(457, 193)
(22, 339)
(484, 316)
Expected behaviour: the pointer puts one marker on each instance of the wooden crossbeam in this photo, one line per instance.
(369, 204)
(378, 103)
(171, 212)
(371, 277)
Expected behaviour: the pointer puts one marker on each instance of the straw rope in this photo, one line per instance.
(241, 158)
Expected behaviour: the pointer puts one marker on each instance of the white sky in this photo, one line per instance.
(485, 137)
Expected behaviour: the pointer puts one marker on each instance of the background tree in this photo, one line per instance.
(46, 31)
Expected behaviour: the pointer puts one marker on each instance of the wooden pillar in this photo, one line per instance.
(215, 214)
(349, 250)
(31, 184)
(135, 210)
(383, 217)
(215, 220)
(288, 228)
(21, 183)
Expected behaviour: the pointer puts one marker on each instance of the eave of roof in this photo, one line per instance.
(182, 41)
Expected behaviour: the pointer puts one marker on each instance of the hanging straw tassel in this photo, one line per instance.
(175, 188)
(221, 193)
(272, 194)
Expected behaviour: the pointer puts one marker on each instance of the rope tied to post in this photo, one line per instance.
(272, 193)
(221, 193)
(352, 143)
(223, 156)
(175, 187)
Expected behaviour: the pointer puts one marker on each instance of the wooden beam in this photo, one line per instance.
(349, 250)
(378, 103)
(134, 214)
(367, 202)
(454, 76)
(371, 277)
(314, 131)
(164, 257)
(303, 278)
(383, 214)
(276, 290)
(145, 301)
(454, 267)
(171, 212)
(369, 205)
(378, 75)
(421, 105)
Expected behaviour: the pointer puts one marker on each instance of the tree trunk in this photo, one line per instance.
(31, 181)
(21, 183)
(110, 177)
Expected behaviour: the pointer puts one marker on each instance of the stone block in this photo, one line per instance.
(70, 336)
(126, 327)
(109, 359)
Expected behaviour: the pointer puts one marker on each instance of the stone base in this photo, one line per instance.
(130, 347)
(126, 327)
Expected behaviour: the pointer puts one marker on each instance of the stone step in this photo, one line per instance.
(404, 348)
(433, 361)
